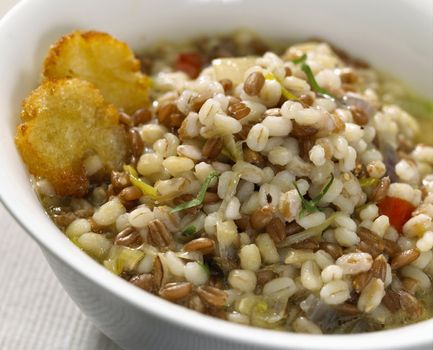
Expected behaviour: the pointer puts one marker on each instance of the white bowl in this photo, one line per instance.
(394, 35)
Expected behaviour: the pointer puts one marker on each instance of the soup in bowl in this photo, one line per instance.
(274, 183)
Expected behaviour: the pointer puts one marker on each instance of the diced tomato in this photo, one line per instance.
(190, 63)
(398, 211)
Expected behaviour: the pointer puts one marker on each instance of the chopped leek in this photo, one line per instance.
(311, 205)
(264, 314)
(368, 181)
(233, 149)
(261, 306)
(231, 189)
(129, 257)
(200, 196)
(286, 93)
(146, 189)
(123, 259)
(310, 233)
(113, 265)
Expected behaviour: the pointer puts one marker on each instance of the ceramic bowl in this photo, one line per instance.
(394, 35)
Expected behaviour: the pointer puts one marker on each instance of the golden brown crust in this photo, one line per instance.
(64, 121)
(104, 61)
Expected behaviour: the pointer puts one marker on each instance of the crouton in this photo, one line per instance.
(65, 121)
(104, 61)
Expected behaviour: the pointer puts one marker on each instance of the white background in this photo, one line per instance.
(35, 312)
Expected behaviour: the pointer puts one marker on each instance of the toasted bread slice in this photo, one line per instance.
(104, 61)
(65, 121)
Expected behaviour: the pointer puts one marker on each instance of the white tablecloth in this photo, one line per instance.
(35, 312)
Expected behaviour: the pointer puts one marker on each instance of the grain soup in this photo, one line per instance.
(269, 184)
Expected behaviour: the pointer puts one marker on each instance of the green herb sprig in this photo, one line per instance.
(200, 196)
(310, 206)
(312, 81)
(301, 59)
(189, 231)
(310, 76)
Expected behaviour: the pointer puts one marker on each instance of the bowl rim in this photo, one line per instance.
(418, 334)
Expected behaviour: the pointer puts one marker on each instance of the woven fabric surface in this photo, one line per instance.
(35, 312)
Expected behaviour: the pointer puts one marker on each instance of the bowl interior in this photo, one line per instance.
(393, 35)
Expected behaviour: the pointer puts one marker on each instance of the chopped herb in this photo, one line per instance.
(311, 205)
(310, 76)
(286, 93)
(214, 267)
(368, 181)
(137, 182)
(205, 267)
(200, 196)
(189, 230)
(312, 80)
(301, 59)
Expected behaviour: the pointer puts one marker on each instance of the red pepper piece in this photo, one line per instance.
(190, 63)
(398, 211)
